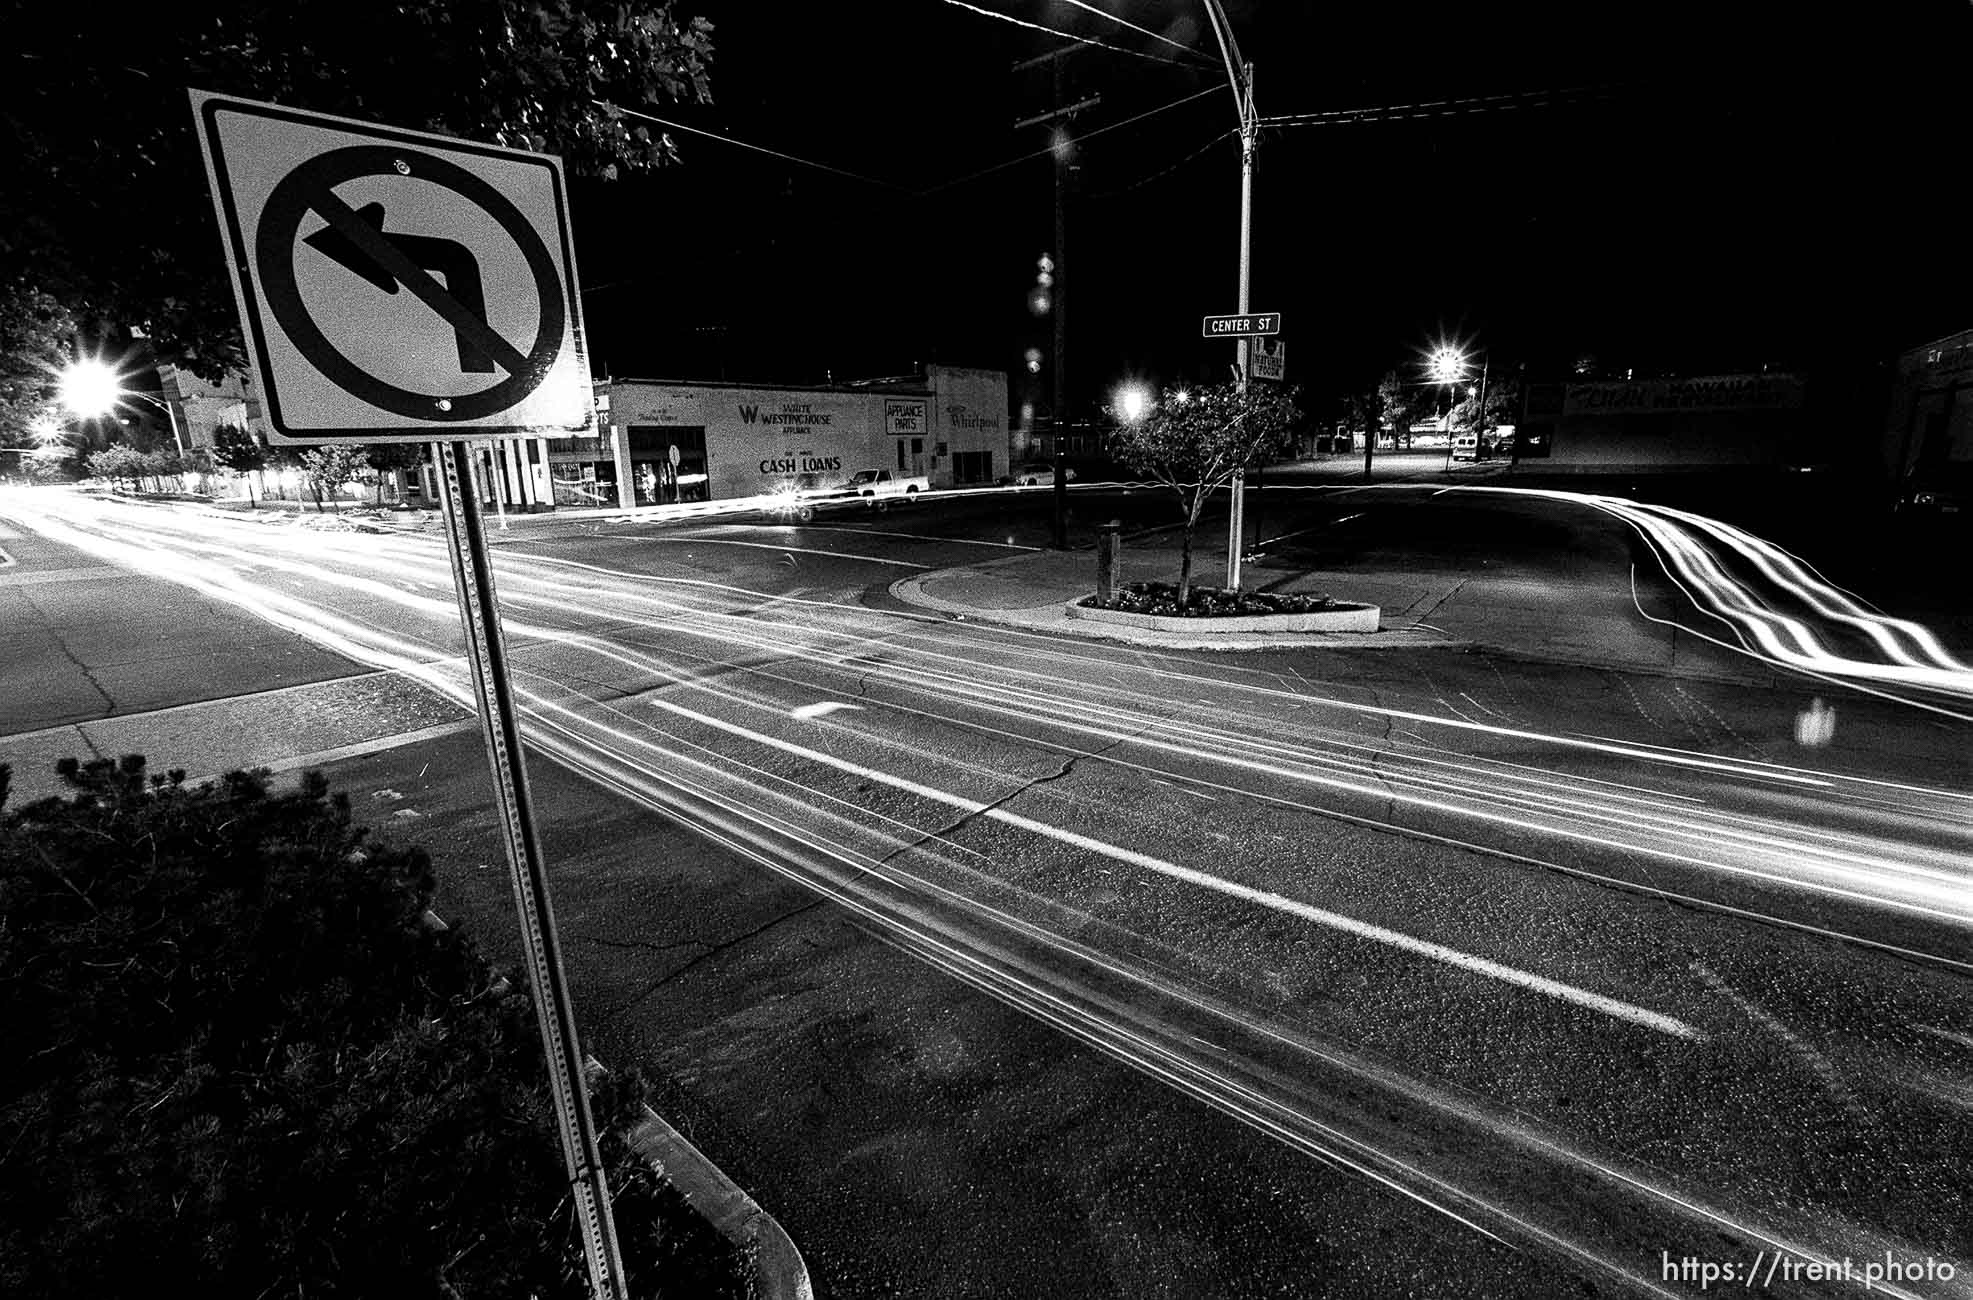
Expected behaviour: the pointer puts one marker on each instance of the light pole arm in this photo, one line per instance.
(170, 413)
(1229, 50)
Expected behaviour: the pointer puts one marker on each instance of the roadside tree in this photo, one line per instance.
(1503, 400)
(1193, 441)
(1404, 404)
(105, 206)
(36, 335)
(236, 449)
(119, 463)
(383, 458)
(327, 469)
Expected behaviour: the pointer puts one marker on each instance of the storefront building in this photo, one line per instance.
(661, 442)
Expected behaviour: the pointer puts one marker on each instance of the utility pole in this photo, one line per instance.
(1240, 75)
(1373, 422)
(1058, 299)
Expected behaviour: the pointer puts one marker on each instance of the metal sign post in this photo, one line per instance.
(398, 286)
(486, 659)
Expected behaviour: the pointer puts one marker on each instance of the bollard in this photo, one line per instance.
(1108, 543)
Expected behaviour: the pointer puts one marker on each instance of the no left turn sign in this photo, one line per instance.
(396, 285)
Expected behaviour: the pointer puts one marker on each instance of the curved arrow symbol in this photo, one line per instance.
(443, 257)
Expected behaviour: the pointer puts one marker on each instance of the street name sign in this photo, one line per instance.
(396, 286)
(1248, 326)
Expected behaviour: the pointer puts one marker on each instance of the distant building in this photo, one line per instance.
(1928, 437)
(201, 406)
(665, 441)
(1672, 423)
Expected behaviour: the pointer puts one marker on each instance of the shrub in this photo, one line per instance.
(1208, 602)
(241, 1062)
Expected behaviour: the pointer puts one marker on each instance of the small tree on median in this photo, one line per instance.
(1194, 440)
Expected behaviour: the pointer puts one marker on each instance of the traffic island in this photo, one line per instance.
(1210, 610)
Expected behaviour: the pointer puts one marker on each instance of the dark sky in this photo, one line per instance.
(1679, 187)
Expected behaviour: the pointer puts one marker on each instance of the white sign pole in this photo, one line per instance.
(486, 657)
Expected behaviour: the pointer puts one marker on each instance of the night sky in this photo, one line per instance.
(1684, 188)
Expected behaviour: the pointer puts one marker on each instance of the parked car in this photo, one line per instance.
(1466, 446)
(1038, 473)
(1944, 488)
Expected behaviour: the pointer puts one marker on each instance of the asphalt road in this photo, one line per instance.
(1521, 977)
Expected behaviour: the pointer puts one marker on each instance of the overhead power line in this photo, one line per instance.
(1145, 31)
(1141, 182)
(1435, 107)
(756, 148)
(1067, 36)
(1087, 135)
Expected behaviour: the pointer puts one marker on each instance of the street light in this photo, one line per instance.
(1448, 366)
(1133, 401)
(90, 388)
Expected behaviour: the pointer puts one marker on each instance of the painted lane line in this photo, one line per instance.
(776, 546)
(1609, 1006)
(878, 532)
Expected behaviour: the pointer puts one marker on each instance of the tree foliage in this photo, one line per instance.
(1503, 399)
(329, 468)
(241, 1060)
(119, 463)
(1193, 441)
(385, 458)
(36, 334)
(237, 449)
(1404, 403)
(103, 202)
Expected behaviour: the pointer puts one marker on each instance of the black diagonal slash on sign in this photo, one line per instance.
(391, 260)
(445, 257)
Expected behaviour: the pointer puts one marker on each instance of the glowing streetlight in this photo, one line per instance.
(1133, 401)
(90, 388)
(1448, 364)
(47, 430)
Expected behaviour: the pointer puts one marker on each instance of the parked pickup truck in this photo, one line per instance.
(876, 486)
(869, 488)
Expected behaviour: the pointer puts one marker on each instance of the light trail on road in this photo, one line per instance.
(763, 719)
(1695, 552)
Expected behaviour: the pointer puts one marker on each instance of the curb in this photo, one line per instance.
(1343, 616)
(779, 1272)
(1053, 617)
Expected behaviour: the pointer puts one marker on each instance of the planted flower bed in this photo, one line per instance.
(1207, 602)
(1215, 609)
